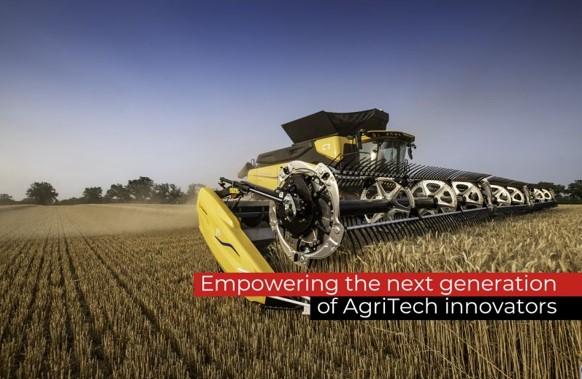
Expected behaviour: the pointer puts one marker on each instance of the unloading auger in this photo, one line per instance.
(345, 179)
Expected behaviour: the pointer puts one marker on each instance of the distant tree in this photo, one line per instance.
(117, 193)
(176, 193)
(6, 199)
(93, 195)
(42, 193)
(575, 189)
(72, 201)
(193, 189)
(557, 188)
(167, 193)
(140, 189)
(191, 193)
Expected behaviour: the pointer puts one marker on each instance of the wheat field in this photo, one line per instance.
(105, 291)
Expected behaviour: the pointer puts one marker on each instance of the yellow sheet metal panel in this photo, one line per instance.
(231, 247)
(266, 176)
(331, 147)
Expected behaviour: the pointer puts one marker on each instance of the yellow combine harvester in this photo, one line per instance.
(345, 179)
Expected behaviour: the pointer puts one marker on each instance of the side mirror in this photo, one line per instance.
(410, 147)
(359, 139)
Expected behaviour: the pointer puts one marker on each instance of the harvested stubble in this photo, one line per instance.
(97, 291)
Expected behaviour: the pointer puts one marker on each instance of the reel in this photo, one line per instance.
(501, 195)
(471, 195)
(542, 195)
(446, 200)
(517, 197)
(388, 189)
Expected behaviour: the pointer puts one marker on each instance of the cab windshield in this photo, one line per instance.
(388, 150)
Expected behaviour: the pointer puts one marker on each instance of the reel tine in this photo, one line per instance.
(389, 232)
(407, 229)
(360, 233)
(401, 231)
(381, 233)
(435, 225)
(373, 235)
(451, 222)
(393, 235)
(347, 223)
(422, 226)
(426, 223)
(417, 227)
(367, 166)
(460, 219)
(357, 234)
(440, 225)
(355, 237)
(353, 242)
(468, 218)
(365, 235)
(445, 223)
(395, 229)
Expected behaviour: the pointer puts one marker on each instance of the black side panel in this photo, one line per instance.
(350, 149)
(245, 170)
(322, 124)
(250, 213)
(304, 151)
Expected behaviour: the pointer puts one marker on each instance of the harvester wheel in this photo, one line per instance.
(501, 195)
(470, 193)
(446, 200)
(538, 195)
(517, 197)
(547, 195)
(388, 189)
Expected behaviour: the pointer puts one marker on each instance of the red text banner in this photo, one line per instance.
(388, 284)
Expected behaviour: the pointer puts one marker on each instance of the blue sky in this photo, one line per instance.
(95, 93)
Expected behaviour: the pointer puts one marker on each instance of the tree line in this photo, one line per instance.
(144, 190)
(572, 192)
(140, 190)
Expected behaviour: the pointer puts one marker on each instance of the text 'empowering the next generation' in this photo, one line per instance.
(385, 284)
(410, 296)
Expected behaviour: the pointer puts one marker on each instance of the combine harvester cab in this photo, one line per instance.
(345, 180)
